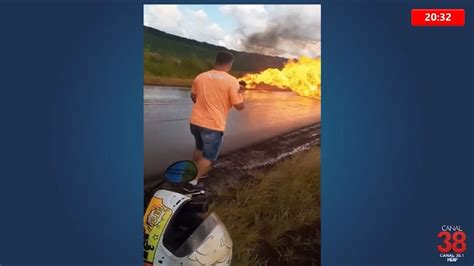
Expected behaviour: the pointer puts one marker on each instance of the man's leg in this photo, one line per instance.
(197, 155)
(204, 165)
(212, 141)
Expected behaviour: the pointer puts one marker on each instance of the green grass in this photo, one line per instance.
(276, 219)
(170, 56)
(167, 81)
(156, 64)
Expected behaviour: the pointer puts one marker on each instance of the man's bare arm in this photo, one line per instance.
(193, 97)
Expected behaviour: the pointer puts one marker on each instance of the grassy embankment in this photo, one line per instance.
(276, 220)
(169, 71)
(171, 60)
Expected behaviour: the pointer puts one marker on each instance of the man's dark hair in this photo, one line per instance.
(224, 58)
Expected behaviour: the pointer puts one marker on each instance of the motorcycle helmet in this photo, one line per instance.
(175, 233)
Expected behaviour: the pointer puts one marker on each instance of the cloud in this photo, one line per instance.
(200, 14)
(192, 24)
(299, 21)
(164, 17)
(283, 30)
(250, 18)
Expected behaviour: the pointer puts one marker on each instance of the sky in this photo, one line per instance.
(279, 30)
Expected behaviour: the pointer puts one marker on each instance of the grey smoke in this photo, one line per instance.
(287, 34)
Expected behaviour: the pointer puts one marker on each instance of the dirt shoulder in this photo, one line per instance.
(231, 170)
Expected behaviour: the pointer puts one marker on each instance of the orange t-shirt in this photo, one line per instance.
(216, 93)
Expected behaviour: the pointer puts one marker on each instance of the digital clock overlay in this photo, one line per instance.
(438, 17)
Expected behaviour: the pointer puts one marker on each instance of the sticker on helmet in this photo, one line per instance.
(155, 220)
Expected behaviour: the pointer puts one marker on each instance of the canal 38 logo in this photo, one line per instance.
(453, 244)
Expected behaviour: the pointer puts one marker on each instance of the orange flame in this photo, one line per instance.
(302, 76)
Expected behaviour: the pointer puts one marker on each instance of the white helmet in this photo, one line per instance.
(176, 235)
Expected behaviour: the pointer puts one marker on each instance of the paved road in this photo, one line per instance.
(267, 115)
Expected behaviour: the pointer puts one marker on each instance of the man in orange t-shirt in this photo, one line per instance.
(213, 93)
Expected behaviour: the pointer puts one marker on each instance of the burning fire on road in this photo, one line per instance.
(302, 76)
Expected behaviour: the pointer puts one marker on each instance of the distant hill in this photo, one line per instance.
(171, 56)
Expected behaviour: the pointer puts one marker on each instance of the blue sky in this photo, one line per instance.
(283, 30)
(227, 23)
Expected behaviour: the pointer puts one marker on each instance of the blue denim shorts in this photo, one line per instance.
(208, 141)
